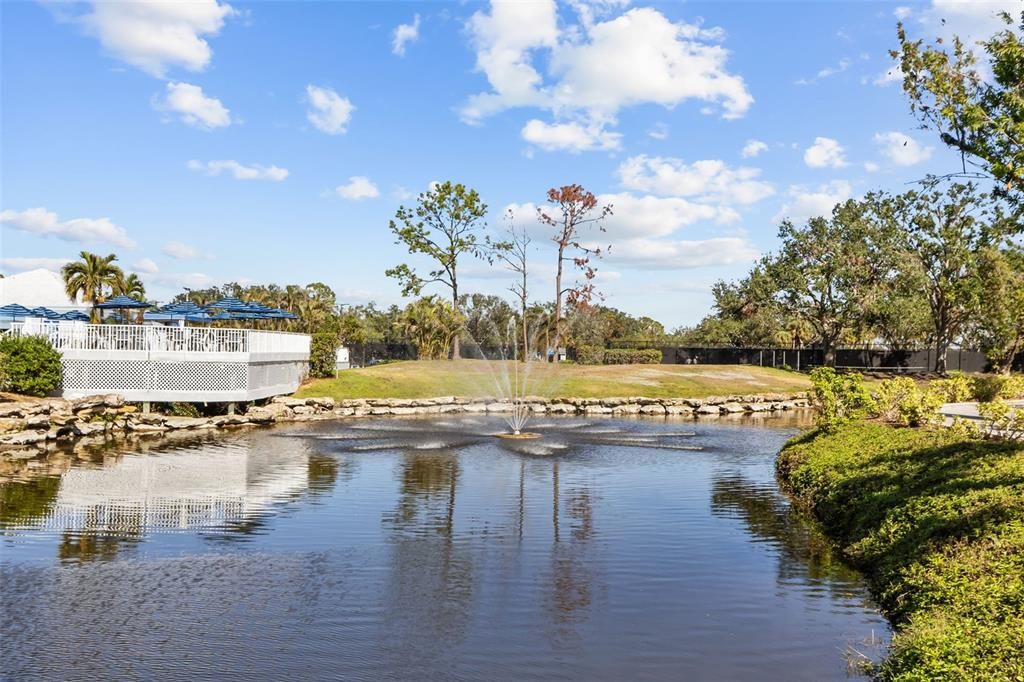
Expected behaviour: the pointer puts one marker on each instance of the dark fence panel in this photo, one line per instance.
(366, 354)
(846, 358)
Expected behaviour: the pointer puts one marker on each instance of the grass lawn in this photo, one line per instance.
(479, 378)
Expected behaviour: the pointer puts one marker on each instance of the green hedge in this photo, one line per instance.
(630, 356)
(936, 521)
(593, 355)
(30, 365)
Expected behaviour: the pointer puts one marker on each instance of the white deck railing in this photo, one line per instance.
(78, 336)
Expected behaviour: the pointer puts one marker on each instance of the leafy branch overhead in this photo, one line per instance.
(980, 116)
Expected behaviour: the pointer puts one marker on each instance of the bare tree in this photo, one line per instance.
(513, 252)
(572, 210)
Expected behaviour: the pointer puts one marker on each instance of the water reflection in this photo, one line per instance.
(421, 549)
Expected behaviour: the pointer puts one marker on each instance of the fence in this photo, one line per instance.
(165, 364)
(78, 336)
(881, 359)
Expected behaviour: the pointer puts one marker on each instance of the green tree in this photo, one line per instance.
(432, 325)
(93, 278)
(129, 285)
(828, 272)
(444, 226)
(1000, 327)
(982, 117)
(942, 236)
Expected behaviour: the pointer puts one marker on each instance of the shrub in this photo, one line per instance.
(839, 397)
(1001, 420)
(901, 401)
(30, 365)
(936, 522)
(323, 354)
(589, 355)
(632, 356)
(994, 386)
(956, 388)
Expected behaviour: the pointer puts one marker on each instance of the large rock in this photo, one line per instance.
(707, 409)
(23, 438)
(731, 408)
(176, 423)
(652, 409)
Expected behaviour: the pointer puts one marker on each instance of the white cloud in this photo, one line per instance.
(825, 153)
(894, 74)
(666, 254)
(239, 171)
(808, 202)
(146, 266)
(632, 217)
(181, 280)
(659, 131)
(752, 148)
(194, 107)
(901, 149)
(871, 167)
(708, 179)
(571, 137)
(405, 33)
(22, 264)
(972, 20)
(902, 13)
(599, 67)
(358, 187)
(648, 216)
(154, 36)
(46, 223)
(329, 112)
(180, 250)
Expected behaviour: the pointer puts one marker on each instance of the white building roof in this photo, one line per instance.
(35, 288)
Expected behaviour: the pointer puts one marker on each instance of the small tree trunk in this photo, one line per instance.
(456, 347)
(558, 300)
(941, 348)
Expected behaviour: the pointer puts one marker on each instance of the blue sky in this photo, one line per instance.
(207, 142)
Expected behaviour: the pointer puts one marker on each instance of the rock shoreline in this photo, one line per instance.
(31, 425)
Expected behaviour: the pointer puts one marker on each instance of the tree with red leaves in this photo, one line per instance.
(573, 209)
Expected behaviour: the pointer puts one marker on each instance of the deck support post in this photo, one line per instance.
(231, 408)
(145, 407)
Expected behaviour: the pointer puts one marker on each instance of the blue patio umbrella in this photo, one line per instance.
(183, 310)
(122, 302)
(14, 311)
(229, 304)
(45, 312)
(75, 316)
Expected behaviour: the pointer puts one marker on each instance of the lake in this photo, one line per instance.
(425, 549)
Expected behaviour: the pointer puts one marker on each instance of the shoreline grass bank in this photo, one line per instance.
(936, 521)
(478, 378)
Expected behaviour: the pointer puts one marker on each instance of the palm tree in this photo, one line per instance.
(92, 277)
(129, 285)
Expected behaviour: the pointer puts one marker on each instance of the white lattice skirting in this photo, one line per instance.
(150, 380)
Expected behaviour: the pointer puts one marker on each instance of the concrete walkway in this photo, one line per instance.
(969, 410)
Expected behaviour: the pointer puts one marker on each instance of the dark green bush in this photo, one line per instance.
(323, 352)
(632, 356)
(936, 520)
(30, 365)
(589, 355)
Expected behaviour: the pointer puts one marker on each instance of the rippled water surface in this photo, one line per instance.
(423, 549)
